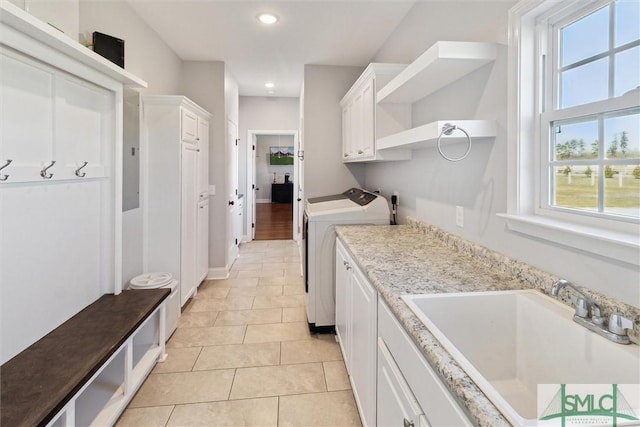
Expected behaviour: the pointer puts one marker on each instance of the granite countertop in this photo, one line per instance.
(422, 259)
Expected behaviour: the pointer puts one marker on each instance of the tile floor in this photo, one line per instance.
(243, 356)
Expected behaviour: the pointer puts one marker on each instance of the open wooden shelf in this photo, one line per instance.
(442, 64)
(22, 21)
(427, 135)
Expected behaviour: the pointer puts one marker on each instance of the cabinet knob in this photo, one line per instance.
(346, 155)
(360, 152)
(231, 203)
(408, 423)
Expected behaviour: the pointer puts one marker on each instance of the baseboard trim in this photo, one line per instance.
(263, 200)
(218, 273)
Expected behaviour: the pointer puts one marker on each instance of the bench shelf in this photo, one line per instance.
(87, 370)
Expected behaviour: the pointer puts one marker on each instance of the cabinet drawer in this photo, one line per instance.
(396, 403)
(439, 406)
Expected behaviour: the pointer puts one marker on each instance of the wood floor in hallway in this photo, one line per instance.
(274, 221)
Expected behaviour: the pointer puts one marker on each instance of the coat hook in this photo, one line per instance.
(81, 174)
(4, 177)
(43, 172)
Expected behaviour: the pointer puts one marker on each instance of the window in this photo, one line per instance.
(592, 165)
(574, 124)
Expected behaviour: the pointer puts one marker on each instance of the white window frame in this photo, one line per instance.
(526, 214)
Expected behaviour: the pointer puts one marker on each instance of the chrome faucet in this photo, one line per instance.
(589, 315)
(586, 307)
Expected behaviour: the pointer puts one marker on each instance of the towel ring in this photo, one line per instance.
(447, 129)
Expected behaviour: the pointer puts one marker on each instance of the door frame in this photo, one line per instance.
(250, 206)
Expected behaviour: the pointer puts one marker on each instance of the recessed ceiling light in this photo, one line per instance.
(267, 18)
(269, 85)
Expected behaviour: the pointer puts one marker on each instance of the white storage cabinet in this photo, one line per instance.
(356, 323)
(174, 183)
(363, 121)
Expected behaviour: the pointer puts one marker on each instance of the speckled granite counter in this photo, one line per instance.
(419, 259)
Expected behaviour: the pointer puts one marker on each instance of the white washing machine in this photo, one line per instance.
(321, 215)
(172, 303)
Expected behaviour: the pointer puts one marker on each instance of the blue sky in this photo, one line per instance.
(589, 82)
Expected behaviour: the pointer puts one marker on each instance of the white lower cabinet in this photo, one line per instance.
(392, 382)
(425, 399)
(358, 313)
(396, 404)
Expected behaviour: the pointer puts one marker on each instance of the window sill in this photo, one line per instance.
(622, 247)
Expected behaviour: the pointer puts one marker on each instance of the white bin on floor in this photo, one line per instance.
(162, 280)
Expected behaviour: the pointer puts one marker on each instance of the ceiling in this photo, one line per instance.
(325, 32)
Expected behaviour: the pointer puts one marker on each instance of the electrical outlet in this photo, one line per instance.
(460, 216)
(395, 193)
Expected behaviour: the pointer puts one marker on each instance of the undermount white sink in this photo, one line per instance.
(508, 342)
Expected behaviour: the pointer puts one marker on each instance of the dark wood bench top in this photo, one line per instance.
(37, 383)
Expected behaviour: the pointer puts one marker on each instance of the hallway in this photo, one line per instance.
(274, 221)
(243, 355)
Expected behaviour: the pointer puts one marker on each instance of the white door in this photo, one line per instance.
(254, 186)
(203, 241)
(298, 194)
(232, 188)
(189, 214)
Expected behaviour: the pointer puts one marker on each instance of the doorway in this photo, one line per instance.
(274, 185)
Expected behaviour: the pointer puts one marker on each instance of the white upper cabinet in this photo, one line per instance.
(362, 122)
(189, 126)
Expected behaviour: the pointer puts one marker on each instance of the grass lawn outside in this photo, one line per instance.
(581, 191)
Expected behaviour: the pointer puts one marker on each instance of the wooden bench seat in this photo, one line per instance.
(38, 382)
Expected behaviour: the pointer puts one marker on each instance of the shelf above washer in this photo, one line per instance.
(427, 135)
(442, 64)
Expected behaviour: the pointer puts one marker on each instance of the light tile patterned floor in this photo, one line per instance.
(243, 356)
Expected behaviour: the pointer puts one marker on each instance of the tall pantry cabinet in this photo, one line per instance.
(175, 180)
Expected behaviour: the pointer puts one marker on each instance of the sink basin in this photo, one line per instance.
(508, 342)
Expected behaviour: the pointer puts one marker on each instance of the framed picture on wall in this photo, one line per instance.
(280, 155)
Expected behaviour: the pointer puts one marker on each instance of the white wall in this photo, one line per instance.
(430, 187)
(149, 58)
(262, 113)
(324, 172)
(264, 170)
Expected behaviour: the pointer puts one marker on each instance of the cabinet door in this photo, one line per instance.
(203, 159)
(188, 238)
(397, 406)
(347, 143)
(343, 302)
(189, 126)
(367, 145)
(203, 241)
(357, 126)
(363, 345)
